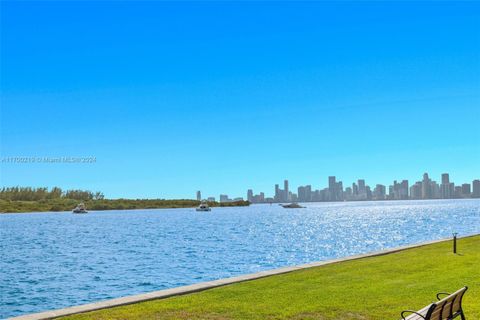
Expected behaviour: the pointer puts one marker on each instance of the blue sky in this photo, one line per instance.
(176, 97)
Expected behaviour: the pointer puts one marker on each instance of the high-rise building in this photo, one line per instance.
(250, 195)
(286, 191)
(445, 178)
(293, 197)
(451, 188)
(416, 190)
(258, 198)
(426, 187)
(199, 196)
(476, 189)
(361, 186)
(282, 195)
(466, 190)
(354, 189)
(379, 193)
(348, 193)
(391, 194)
(368, 192)
(435, 190)
(224, 198)
(308, 193)
(277, 196)
(399, 191)
(304, 193)
(332, 186)
(446, 188)
(339, 190)
(458, 192)
(301, 194)
(362, 190)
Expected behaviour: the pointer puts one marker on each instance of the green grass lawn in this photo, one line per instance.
(371, 288)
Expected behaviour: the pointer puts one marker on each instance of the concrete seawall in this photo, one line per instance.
(162, 294)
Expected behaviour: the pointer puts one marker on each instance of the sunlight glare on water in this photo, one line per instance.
(55, 260)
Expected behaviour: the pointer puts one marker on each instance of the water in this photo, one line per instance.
(55, 260)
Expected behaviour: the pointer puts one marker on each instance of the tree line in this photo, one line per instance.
(38, 194)
(27, 199)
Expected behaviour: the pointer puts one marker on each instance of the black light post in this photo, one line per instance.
(455, 242)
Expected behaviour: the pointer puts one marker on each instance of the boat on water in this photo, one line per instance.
(292, 205)
(80, 208)
(203, 207)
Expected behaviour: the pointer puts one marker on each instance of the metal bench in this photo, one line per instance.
(447, 308)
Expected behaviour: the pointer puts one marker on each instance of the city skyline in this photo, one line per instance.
(360, 190)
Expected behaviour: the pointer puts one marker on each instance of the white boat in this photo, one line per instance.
(292, 205)
(203, 207)
(80, 208)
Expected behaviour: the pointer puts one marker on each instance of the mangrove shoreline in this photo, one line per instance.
(62, 204)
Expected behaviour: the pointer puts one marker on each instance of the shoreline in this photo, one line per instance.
(67, 205)
(108, 210)
(183, 290)
(237, 204)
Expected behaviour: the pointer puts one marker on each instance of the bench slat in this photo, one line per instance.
(441, 310)
(423, 312)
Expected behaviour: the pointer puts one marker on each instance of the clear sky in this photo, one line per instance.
(176, 97)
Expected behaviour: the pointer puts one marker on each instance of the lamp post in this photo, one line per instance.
(454, 242)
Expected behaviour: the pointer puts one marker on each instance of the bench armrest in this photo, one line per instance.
(442, 293)
(411, 311)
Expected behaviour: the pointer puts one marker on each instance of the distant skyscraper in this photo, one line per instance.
(426, 187)
(458, 192)
(292, 197)
(362, 190)
(339, 191)
(400, 190)
(404, 193)
(348, 193)
(224, 198)
(332, 186)
(445, 178)
(361, 186)
(476, 189)
(416, 190)
(435, 190)
(354, 189)
(368, 191)
(261, 197)
(301, 194)
(451, 188)
(199, 196)
(446, 188)
(379, 192)
(466, 190)
(286, 191)
(308, 193)
(250, 195)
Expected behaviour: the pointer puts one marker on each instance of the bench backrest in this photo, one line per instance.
(447, 307)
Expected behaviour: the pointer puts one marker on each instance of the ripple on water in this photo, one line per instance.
(57, 260)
